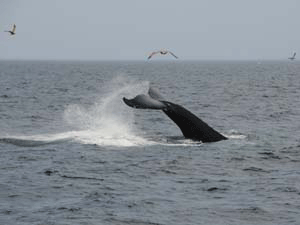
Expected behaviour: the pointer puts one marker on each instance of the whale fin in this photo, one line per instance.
(144, 102)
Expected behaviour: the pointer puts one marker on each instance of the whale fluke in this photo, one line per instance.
(144, 102)
(190, 125)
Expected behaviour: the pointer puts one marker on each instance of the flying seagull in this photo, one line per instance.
(162, 52)
(12, 31)
(293, 57)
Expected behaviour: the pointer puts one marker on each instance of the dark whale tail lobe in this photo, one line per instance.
(190, 125)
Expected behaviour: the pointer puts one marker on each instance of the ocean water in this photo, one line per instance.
(71, 152)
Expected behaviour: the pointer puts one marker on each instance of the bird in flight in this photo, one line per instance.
(12, 31)
(293, 57)
(162, 52)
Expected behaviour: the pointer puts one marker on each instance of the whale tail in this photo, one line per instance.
(190, 125)
(144, 102)
(151, 101)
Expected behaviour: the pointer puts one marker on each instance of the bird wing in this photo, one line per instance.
(152, 54)
(294, 55)
(14, 28)
(173, 54)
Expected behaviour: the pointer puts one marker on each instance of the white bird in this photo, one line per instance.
(162, 52)
(12, 31)
(293, 57)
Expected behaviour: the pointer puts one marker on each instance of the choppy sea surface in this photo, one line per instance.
(71, 152)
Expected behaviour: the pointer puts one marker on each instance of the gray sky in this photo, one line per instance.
(131, 29)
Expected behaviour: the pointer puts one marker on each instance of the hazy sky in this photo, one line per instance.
(131, 29)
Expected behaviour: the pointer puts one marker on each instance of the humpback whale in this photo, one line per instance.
(190, 125)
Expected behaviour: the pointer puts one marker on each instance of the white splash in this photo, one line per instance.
(233, 134)
(108, 121)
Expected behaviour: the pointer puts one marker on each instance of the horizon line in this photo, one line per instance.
(140, 60)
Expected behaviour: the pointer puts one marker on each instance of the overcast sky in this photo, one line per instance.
(131, 29)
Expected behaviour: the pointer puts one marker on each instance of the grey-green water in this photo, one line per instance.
(71, 152)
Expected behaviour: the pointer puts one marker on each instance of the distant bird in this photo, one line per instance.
(162, 52)
(293, 57)
(12, 31)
